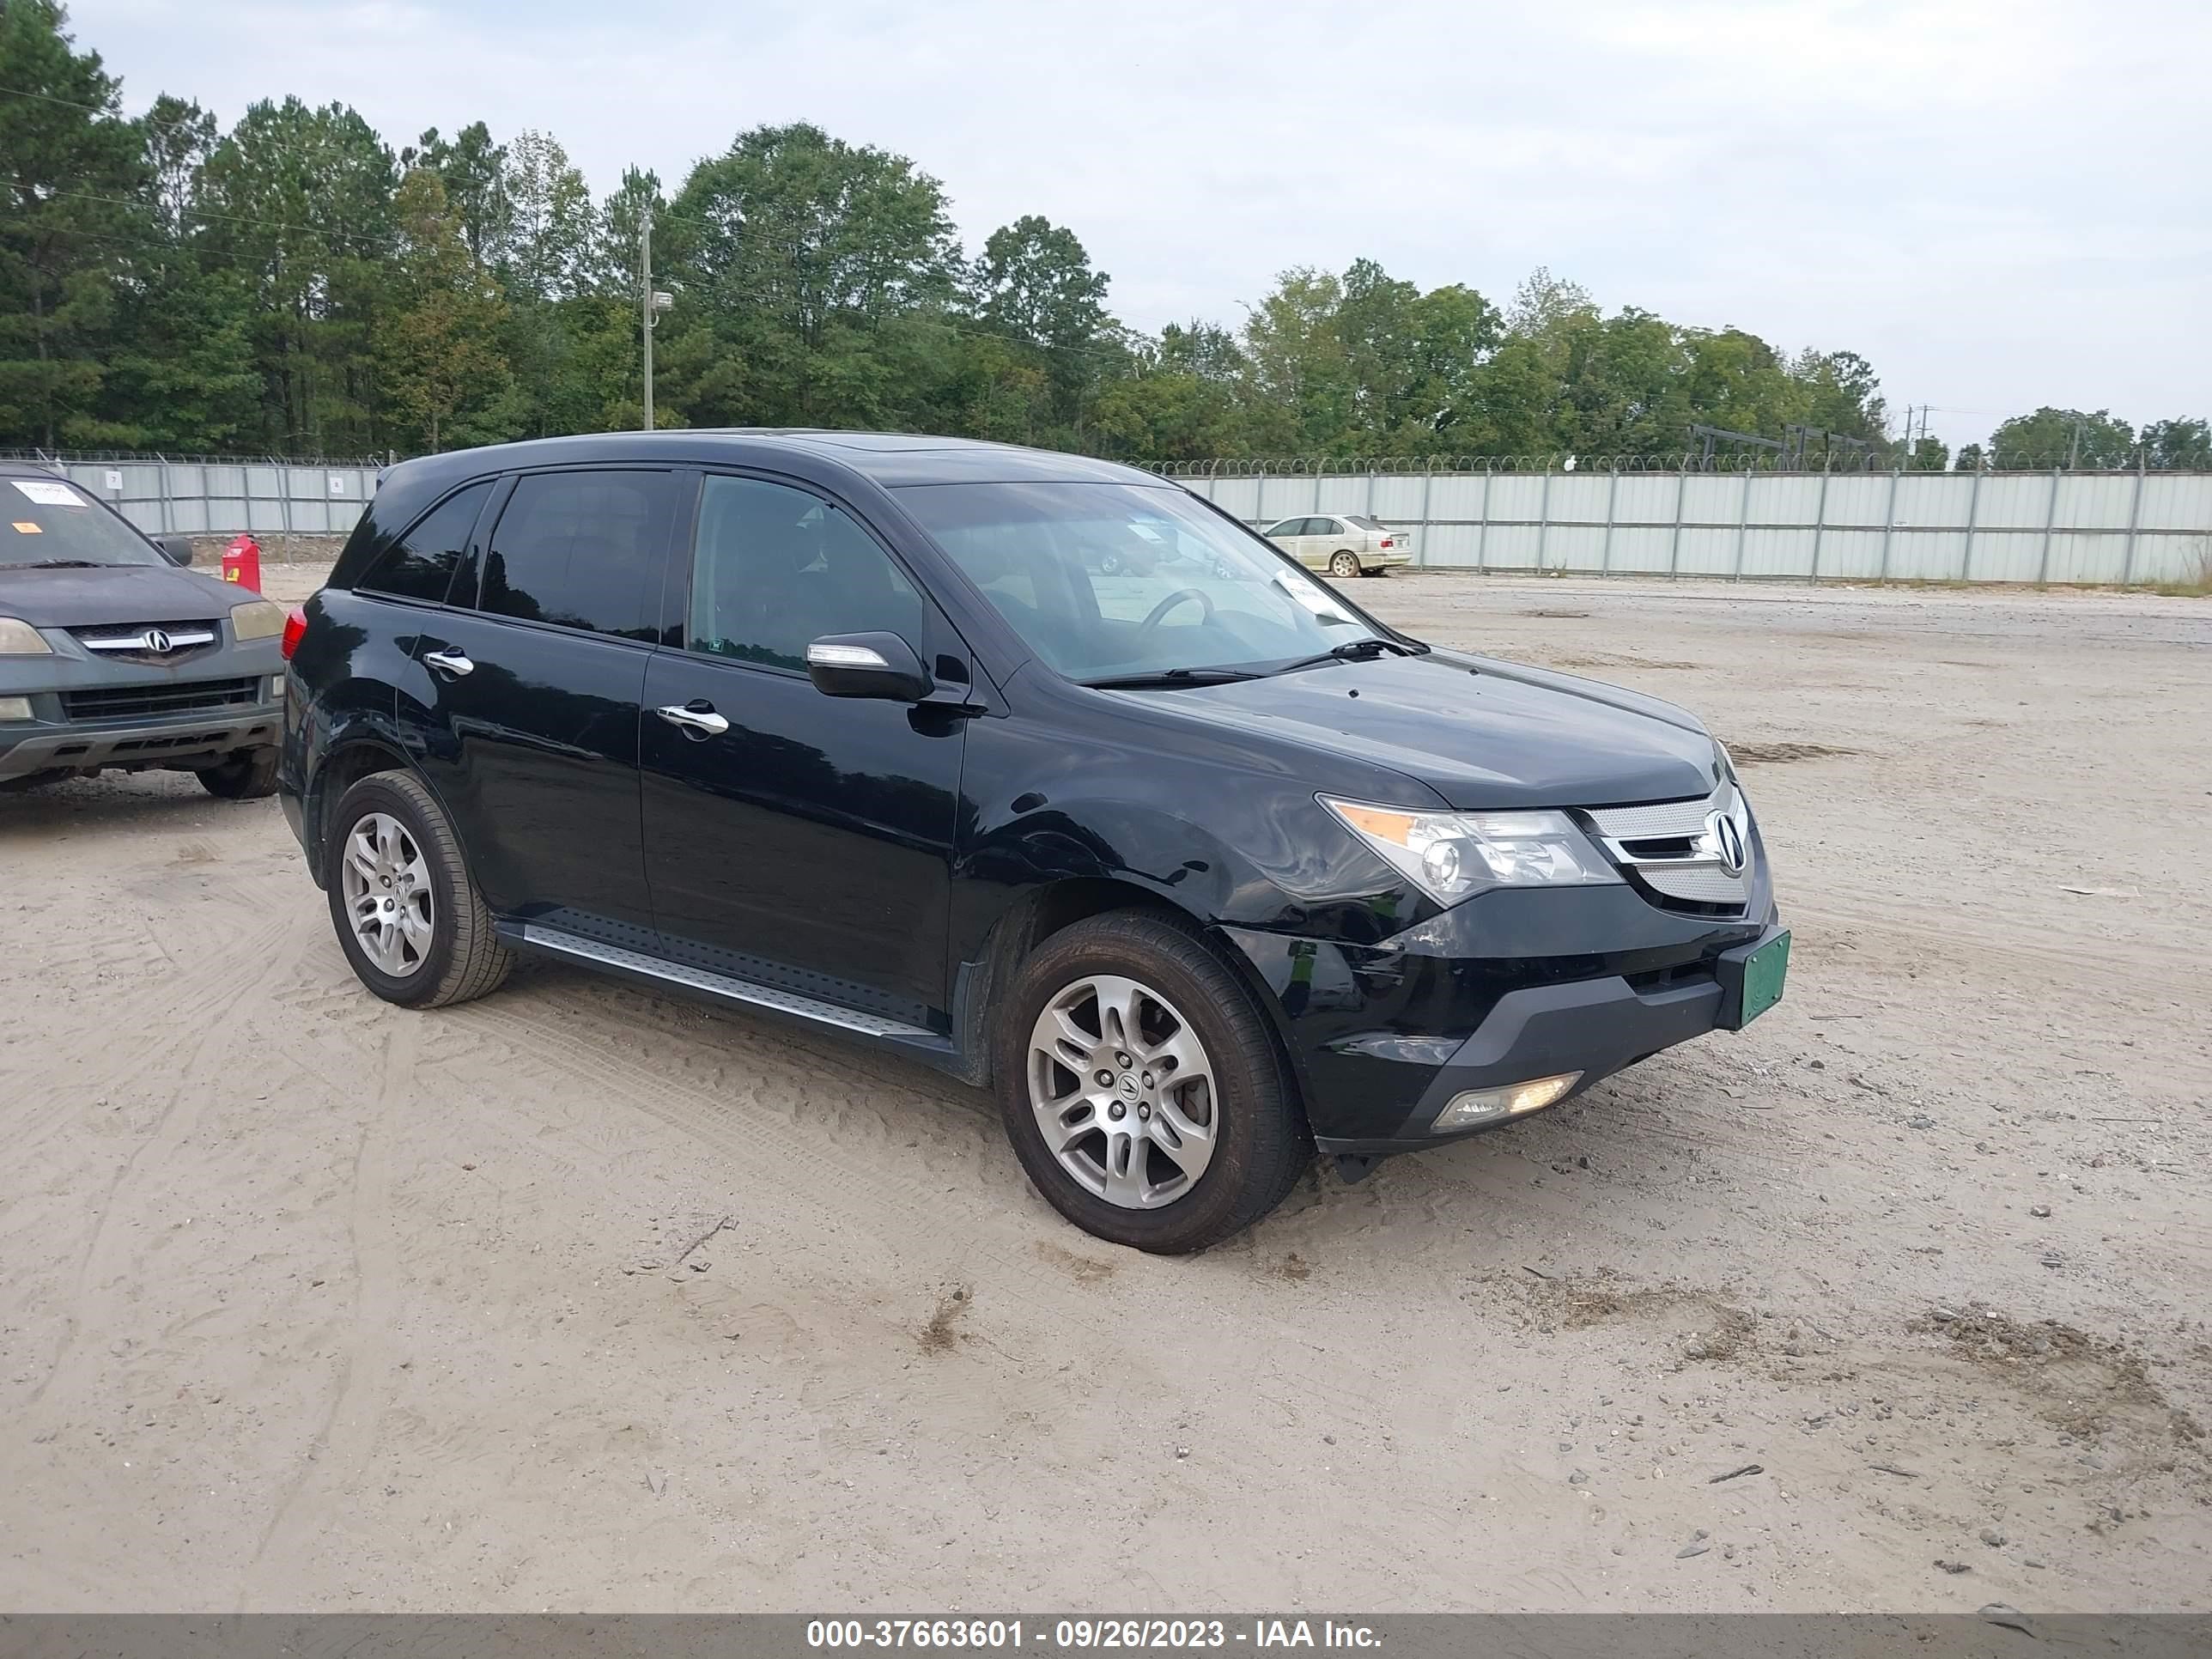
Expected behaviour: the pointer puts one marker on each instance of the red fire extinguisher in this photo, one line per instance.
(241, 563)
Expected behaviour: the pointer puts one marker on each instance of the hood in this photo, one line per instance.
(114, 594)
(1483, 734)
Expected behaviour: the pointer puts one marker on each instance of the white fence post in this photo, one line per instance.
(2135, 520)
(1428, 484)
(1674, 542)
(1974, 517)
(1889, 522)
(1742, 524)
(2050, 521)
(1612, 489)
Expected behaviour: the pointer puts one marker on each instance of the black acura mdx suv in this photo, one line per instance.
(1196, 865)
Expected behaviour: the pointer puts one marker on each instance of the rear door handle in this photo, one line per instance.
(699, 720)
(449, 661)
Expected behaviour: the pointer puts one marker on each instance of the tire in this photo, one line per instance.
(1346, 563)
(248, 776)
(1256, 1144)
(455, 956)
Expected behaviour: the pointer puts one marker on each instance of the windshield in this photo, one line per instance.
(50, 521)
(1109, 581)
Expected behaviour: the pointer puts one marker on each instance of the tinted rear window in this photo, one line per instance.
(421, 564)
(576, 549)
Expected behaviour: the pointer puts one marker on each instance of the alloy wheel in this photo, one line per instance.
(386, 885)
(1123, 1091)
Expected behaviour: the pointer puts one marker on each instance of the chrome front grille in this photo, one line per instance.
(160, 645)
(1681, 849)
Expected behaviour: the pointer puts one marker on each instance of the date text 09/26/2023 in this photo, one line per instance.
(1012, 1634)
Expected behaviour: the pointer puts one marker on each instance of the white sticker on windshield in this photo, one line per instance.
(48, 493)
(1312, 595)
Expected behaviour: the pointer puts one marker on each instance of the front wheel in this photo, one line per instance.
(1344, 564)
(408, 917)
(1142, 1089)
(246, 777)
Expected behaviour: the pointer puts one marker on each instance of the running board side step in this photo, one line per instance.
(917, 1040)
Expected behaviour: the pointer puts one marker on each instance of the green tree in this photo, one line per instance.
(73, 176)
(1928, 455)
(445, 380)
(181, 374)
(300, 200)
(475, 173)
(2062, 437)
(800, 264)
(2177, 444)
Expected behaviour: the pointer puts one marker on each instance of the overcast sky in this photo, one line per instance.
(1999, 204)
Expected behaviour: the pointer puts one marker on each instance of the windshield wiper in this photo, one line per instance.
(1353, 651)
(58, 564)
(1170, 676)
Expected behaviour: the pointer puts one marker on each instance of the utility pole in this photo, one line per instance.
(652, 302)
(645, 301)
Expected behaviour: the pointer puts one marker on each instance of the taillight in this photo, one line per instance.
(296, 628)
(1386, 543)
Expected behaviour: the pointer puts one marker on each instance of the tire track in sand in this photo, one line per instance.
(340, 1450)
(95, 1297)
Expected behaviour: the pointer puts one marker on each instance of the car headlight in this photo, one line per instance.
(19, 639)
(1451, 855)
(257, 619)
(1728, 761)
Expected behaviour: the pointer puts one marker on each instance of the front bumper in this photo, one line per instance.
(183, 740)
(1595, 1027)
(1513, 986)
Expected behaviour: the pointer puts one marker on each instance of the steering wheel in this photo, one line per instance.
(1153, 620)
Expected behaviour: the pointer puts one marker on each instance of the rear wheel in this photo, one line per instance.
(1346, 563)
(1141, 1087)
(408, 917)
(248, 776)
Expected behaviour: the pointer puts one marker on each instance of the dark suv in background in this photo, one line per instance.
(112, 657)
(1037, 769)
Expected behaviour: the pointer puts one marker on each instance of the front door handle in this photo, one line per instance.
(449, 661)
(698, 719)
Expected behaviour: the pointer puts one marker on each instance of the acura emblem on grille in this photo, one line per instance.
(1726, 841)
(157, 641)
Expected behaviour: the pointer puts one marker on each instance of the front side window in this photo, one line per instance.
(1289, 527)
(575, 549)
(50, 521)
(1107, 580)
(421, 564)
(777, 566)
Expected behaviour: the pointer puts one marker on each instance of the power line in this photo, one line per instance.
(383, 245)
(101, 109)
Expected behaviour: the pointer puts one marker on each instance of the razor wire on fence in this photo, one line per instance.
(1305, 467)
(220, 494)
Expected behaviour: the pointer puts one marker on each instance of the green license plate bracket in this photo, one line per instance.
(1750, 977)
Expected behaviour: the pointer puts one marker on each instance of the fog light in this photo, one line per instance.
(275, 688)
(1464, 1111)
(15, 709)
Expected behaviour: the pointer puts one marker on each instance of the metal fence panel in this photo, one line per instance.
(2057, 526)
(203, 497)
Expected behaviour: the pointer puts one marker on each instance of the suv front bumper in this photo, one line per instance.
(1508, 987)
(183, 741)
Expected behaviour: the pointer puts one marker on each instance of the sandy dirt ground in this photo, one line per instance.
(581, 1297)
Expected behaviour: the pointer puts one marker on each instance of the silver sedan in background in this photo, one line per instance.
(1344, 543)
